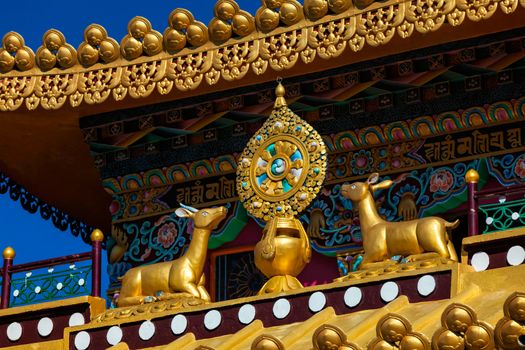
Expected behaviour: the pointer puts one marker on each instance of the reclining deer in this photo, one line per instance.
(181, 276)
(383, 239)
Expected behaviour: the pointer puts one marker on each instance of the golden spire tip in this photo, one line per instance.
(280, 101)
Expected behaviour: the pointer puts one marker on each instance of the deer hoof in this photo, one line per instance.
(149, 299)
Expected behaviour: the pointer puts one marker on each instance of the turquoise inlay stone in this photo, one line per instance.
(279, 208)
(296, 155)
(258, 137)
(286, 186)
(278, 167)
(271, 149)
(298, 128)
(316, 171)
(261, 179)
(244, 184)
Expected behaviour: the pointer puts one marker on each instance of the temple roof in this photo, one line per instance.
(286, 38)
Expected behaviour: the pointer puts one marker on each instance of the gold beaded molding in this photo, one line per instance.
(189, 52)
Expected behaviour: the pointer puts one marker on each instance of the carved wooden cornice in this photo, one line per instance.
(188, 53)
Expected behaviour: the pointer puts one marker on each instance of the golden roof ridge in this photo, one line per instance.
(282, 33)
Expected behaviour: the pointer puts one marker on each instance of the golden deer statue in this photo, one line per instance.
(383, 239)
(183, 276)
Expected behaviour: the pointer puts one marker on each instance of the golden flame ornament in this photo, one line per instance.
(280, 172)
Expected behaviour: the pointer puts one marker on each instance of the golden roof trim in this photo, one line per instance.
(146, 60)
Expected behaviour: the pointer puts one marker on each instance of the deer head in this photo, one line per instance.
(359, 190)
(207, 219)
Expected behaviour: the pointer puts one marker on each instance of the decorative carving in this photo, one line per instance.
(395, 332)
(379, 26)
(316, 9)
(461, 329)
(95, 86)
(330, 40)
(178, 278)
(51, 91)
(283, 166)
(280, 172)
(230, 19)
(328, 337)
(141, 38)
(187, 72)
(425, 17)
(273, 12)
(477, 10)
(282, 51)
(184, 29)
(267, 342)
(233, 62)
(185, 69)
(14, 53)
(510, 330)
(55, 50)
(410, 238)
(97, 47)
(178, 302)
(140, 79)
(13, 91)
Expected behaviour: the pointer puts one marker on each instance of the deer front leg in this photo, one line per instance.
(191, 288)
(204, 295)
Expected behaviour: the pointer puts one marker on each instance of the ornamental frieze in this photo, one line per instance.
(281, 34)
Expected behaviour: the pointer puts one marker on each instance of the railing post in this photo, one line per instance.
(9, 255)
(472, 178)
(96, 239)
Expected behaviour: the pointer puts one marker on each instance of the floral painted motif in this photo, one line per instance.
(166, 234)
(519, 168)
(441, 181)
(361, 162)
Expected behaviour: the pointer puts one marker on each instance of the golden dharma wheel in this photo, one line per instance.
(283, 166)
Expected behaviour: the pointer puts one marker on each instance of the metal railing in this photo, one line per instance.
(502, 208)
(69, 280)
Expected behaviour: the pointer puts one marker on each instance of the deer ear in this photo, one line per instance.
(183, 213)
(381, 186)
(373, 178)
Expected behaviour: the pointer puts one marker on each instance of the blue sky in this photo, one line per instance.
(32, 237)
(33, 18)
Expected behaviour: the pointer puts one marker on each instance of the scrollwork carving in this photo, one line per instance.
(426, 16)
(140, 79)
(233, 62)
(329, 40)
(461, 329)
(282, 51)
(95, 86)
(478, 10)
(379, 26)
(187, 71)
(13, 91)
(97, 47)
(51, 91)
